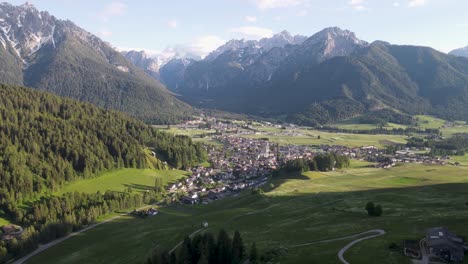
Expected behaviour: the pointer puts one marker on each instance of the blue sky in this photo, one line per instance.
(202, 25)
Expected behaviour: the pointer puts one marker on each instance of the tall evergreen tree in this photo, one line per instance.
(253, 254)
(237, 248)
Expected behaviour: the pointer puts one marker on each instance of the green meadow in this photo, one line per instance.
(299, 208)
(120, 180)
(3, 221)
(315, 137)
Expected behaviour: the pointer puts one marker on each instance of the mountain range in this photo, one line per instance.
(43, 52)
(330, 76)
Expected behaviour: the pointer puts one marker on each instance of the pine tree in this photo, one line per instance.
(253, 255)
(185, 254)
(237, 248)
(224, 247)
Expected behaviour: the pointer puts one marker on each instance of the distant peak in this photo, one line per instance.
(27, 4)
(285, 33)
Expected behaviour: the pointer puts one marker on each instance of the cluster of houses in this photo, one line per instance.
(241, 163)
(438, 246)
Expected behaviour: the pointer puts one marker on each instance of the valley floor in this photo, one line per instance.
(298, 209)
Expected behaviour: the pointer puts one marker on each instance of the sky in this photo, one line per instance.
(200, 26)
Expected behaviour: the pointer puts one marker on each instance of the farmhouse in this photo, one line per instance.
(444, 245)
(412, 249)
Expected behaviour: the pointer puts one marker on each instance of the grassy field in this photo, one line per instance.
(424, 121)
(311, 137)
(121, 179)
(302, 208)
(356, 126)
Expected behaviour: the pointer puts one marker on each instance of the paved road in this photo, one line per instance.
(379, 232)
(424, 256)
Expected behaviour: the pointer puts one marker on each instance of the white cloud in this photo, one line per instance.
(251, 19)
(112, 9)
(205, 44)
(272, 4)
(396, 4)
(357, 5)
(252, 32)
(417, 3)
(172, 23)
(201, 46)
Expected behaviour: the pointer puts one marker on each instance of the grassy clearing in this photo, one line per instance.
(119, 180)
(315, 137)
(425, 121)
(450, 131)
(303, 208)
(3, 221)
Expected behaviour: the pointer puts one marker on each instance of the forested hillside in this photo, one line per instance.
(46, 140)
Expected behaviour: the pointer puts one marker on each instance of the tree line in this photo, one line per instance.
(205, 249)
(320, 162)
(455, 145)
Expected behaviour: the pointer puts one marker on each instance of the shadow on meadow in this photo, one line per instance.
(274, 221)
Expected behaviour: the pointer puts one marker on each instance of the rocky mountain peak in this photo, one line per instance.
(332, 42)
(25, 30)
(278, 40)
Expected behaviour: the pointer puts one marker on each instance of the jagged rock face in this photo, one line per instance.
(277, 41)
(462, 52)
(331, 42)
(25, 30)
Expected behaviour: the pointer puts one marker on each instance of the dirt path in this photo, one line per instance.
(191, 235)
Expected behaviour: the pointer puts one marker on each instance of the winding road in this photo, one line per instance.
(372, 233)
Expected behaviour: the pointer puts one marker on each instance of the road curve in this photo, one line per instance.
(379, 232)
